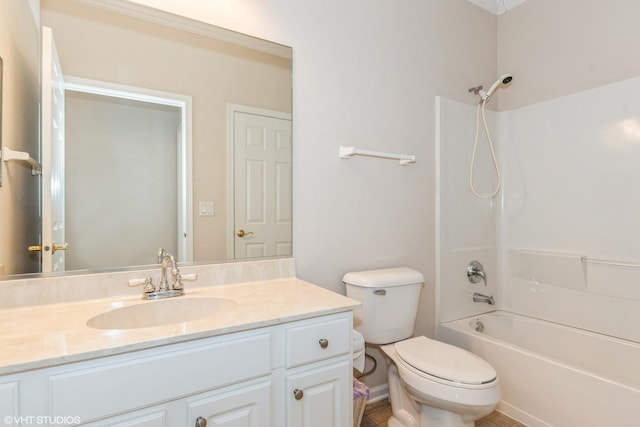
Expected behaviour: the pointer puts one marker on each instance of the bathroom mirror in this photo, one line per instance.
(165, 122)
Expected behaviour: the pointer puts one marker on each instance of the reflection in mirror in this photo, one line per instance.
(120, 152)
(141, 174)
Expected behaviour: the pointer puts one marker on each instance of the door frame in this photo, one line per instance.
(232, 109)
(185, 158)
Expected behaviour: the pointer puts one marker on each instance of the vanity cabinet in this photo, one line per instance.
(318, 381)
(293, 374)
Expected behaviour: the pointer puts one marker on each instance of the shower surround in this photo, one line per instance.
(561, 242)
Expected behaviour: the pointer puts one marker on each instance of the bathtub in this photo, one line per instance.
(554, 375)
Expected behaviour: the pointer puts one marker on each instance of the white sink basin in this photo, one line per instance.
(162, 312)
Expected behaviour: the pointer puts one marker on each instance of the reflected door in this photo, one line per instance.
(262, 181)
(52, 145)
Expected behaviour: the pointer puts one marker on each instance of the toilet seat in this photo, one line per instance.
(445, 363)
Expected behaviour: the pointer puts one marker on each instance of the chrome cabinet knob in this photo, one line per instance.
(324, 343)
(298, 394)
(201, 422)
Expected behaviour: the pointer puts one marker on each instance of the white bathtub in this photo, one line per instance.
(553, 375)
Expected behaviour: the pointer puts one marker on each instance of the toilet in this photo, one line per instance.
(358, 352)
(431, 383)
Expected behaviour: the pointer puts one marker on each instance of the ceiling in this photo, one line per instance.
(497, 7)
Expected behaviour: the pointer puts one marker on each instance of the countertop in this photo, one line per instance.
(48, 335)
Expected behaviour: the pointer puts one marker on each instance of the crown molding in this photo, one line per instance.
(497, 7)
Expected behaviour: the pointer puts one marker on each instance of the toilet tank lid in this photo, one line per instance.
(396, 276)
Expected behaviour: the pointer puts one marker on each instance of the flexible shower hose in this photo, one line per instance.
(493, 155)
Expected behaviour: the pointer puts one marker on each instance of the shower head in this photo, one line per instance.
(504, 79)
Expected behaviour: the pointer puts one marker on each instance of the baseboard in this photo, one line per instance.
(378, 393)
(520, 416)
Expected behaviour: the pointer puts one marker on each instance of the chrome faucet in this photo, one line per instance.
(165, 289)
(166, 259)
(478, 297)
(475, 273)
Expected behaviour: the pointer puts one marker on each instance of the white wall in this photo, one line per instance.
(19, 47)
(556, 48)
(366, 74)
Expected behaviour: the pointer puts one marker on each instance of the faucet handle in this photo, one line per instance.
(475, 273)
(187, 277)
(147, 282)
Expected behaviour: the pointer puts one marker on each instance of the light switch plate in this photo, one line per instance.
(207, 209)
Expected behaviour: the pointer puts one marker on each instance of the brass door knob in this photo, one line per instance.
(242, 233)
(297, 393)
(201, 422)
(62, 247)
(53, 248)
(324, 343)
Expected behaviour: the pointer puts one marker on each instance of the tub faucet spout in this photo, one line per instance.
(478, 297)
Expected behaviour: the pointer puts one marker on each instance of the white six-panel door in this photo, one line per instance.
(262, 177)
(52, 156)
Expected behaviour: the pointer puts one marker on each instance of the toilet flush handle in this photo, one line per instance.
(380, 292)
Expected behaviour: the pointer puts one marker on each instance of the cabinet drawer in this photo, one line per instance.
(317, 341)
(98, 391)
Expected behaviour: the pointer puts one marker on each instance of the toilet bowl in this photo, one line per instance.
(431, 383)
(451, 386)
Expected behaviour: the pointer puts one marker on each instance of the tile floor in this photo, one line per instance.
(377, 414)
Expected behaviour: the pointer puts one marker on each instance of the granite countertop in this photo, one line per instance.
(48, 335)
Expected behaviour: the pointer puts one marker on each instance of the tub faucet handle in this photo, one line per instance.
(475, 273)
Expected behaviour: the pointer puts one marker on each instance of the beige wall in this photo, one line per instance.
(146, 55)
(555, 48)
(19, 47)
(366, 74)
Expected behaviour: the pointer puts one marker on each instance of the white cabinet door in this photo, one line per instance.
(156, 418)
(320, 396)
(245, 406)
(9, 404)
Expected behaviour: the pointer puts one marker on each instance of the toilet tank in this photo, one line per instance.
(389, 300)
